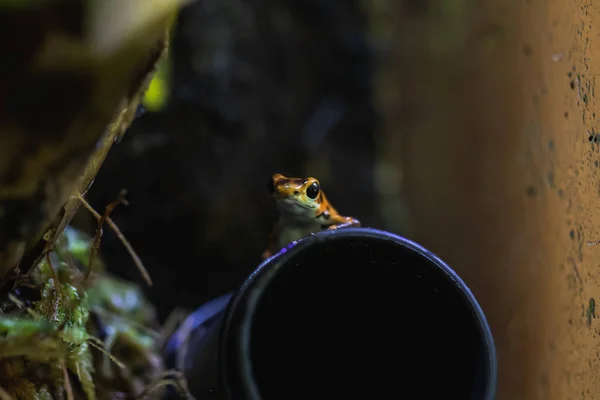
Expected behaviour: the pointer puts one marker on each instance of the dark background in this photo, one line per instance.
(258, 87)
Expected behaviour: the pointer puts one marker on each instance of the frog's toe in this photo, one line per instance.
(266, 254)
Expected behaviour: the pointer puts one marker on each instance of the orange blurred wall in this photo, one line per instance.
(487, 107)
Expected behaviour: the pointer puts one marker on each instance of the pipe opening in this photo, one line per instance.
(365, 316)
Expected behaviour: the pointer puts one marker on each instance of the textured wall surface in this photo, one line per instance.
(497, 105)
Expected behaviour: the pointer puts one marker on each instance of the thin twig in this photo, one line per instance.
(99, 345)
(172, 378)
(109, 314)
(16, 301)
(57, 284)
(49, 239)
(4, 394)
(96, 243)
(136, 259)
(67, 381)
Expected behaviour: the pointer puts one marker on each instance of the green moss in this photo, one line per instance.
(42, 337)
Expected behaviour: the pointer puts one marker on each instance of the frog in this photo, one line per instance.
(303, 211)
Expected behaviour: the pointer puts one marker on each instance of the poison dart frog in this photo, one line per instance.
(303, 210)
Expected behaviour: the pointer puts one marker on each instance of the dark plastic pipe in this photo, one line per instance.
(354, 312)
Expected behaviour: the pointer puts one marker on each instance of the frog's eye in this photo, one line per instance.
(271, 186)
(313, 191)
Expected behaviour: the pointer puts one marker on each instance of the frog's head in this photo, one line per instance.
(296, 197)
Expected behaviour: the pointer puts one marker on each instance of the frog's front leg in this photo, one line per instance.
(271, 243)
(266, 254)
(344, 222)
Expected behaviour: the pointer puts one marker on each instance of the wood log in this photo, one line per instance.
(72, 76)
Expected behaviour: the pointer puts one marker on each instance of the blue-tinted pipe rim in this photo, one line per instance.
(240, 310)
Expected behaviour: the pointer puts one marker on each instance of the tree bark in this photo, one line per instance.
(73, 71)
